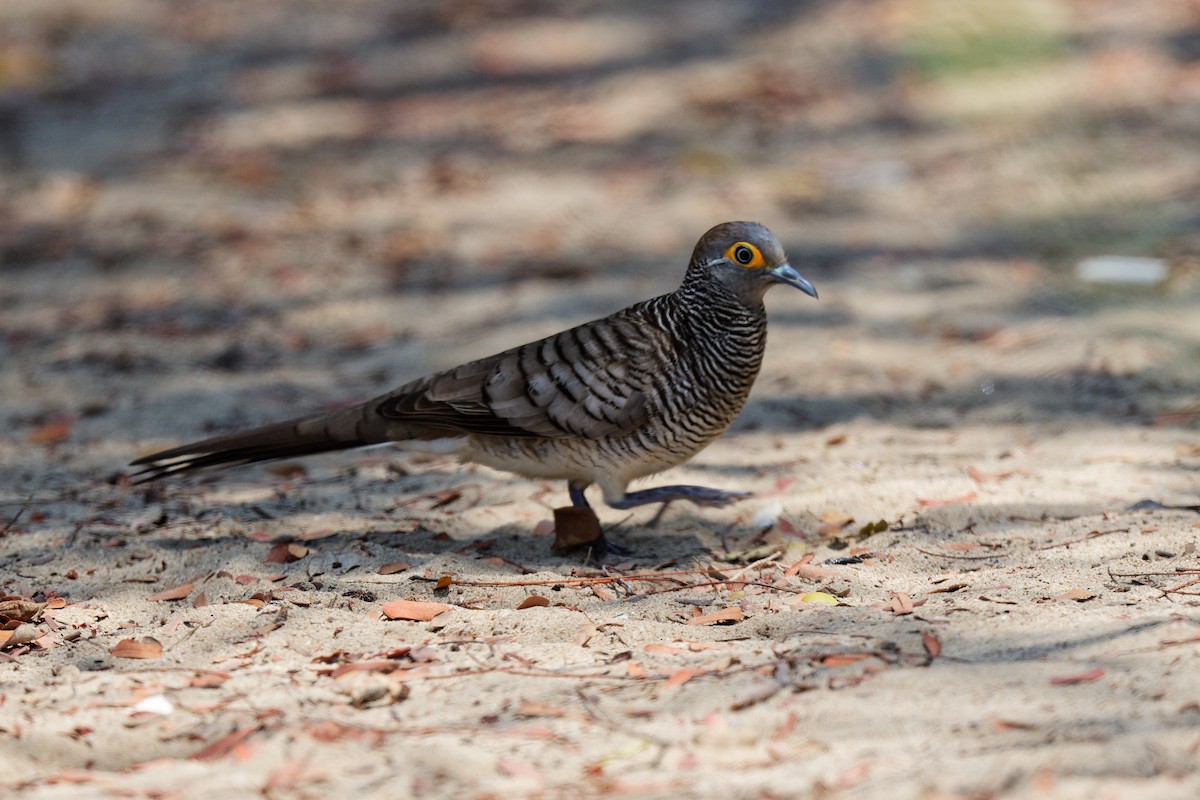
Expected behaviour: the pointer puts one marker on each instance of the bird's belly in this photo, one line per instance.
(445, 446)
(611, 462)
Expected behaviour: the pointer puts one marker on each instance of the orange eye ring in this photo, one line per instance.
(746, 255)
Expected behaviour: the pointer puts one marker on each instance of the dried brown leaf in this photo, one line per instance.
(145, 647)
(574, 527)
(179, 592)
(208, 680)
(51, 433)
(842, 659)
(414, 610)
(680, 677)
(899, 603)
(533, 708)
(534, 601)
(794, 568)
(726, 615)
(934, 502)
(20, 608)
(287, 469)
(585, 634)
(1082, 677)
(226, 744)
(18, 634)
(286, 553)
(392, 567)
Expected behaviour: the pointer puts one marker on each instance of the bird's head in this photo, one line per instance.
(747, 259)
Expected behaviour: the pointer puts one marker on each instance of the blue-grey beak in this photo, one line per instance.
(786, 273)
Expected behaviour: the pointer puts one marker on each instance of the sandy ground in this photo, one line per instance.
(230, 214)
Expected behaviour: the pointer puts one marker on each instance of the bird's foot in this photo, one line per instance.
(700, 495)
(604, 547)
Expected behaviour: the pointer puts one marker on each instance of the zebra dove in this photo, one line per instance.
(606, 402)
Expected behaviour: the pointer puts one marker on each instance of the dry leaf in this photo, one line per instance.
(515, 768)
(179, 592)
(1078, 595)
(635, 670)
(413, 610)
(1000, 725)
(899, 603)
(51, 433)
(145, 647)
(818, 597)
(444, 582)
(811, 572)
(833, 521)
(834, 441)
(208, 680)
(585, 634)
(933, 502)
(393, 567)
(794, 568)
(286, 469)
(680, 677)
(533, 708)
(932, 644)
(20, 633)
(665, 649)
(835, 516)
(984, 477)
(20, 608)
(226, 744)
(574, 527)
(533, 601)
(730, 615)
(1182, 417)
(841, 659)
(1082, 677)
(284, 553)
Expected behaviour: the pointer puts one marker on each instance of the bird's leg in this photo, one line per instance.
(578, 498)
(700, 495)
(601, 547)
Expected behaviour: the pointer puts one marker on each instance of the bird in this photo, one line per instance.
(604, 403)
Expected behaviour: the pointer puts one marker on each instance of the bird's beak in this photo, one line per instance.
(786, 273)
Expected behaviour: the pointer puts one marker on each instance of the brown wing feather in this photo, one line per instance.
(588, 381)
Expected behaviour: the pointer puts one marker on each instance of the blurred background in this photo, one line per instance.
(198, 200)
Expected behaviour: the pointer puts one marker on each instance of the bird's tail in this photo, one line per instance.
(317, 433)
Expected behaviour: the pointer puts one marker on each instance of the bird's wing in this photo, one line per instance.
(590, 381)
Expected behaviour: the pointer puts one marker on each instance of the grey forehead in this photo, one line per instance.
(715, 242)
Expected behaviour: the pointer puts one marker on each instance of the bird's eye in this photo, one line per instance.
(745, 254)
